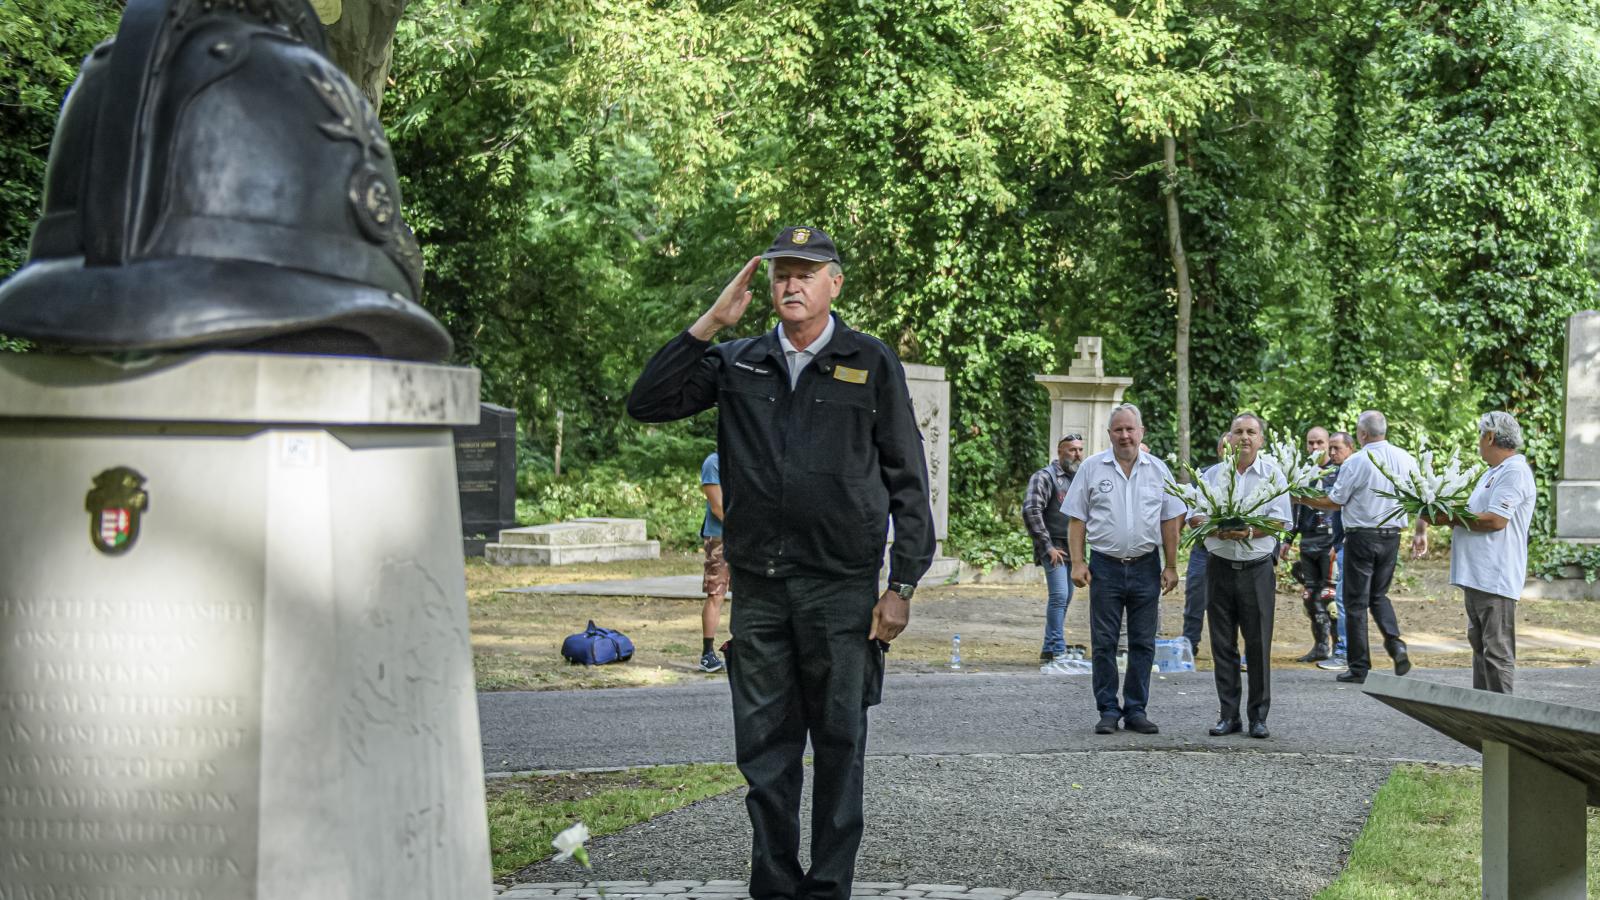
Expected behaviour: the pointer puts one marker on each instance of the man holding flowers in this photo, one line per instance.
(1118, 506)
(1489, 550)
(1239, 577)
(1373, 522)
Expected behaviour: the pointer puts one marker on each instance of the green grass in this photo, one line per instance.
(1423, 839)
(526, 811)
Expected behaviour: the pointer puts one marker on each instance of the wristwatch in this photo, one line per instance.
(904, 590)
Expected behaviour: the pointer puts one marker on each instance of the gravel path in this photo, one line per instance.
(1184, 824)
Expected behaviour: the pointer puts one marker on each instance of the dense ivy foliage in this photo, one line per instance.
(1383, 205)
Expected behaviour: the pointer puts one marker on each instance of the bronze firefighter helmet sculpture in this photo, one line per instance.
(215, 181)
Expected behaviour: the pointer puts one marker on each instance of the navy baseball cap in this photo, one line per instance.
(803, 242)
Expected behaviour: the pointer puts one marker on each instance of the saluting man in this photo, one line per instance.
(819, 450)
(1118, 506)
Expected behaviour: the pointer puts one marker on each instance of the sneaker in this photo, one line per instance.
(1334, 664)
(710, 662)
(1140, 724)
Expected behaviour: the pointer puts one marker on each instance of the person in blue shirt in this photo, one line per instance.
(715, 580)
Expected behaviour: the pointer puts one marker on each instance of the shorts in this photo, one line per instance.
(715, 579)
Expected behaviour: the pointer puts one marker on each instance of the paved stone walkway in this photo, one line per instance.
(738, 890)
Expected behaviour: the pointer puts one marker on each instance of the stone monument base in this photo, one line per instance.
(578, 541)
(236, 658)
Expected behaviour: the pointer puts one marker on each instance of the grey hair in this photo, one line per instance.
(1261, 424)
(834, 269)
(1373, 424)
(1127, 408)
(1343, 437)
(1503, 425)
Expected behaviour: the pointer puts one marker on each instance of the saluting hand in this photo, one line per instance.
(730, 305)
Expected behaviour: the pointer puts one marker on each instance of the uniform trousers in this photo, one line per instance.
(1368, 571)
(1492, 632)
(1194, 595)
(1241, 602)
(1115, 588)
(800, 665)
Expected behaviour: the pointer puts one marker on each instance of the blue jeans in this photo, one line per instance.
(1115, 588)
(1058, 580)
(1338, 594)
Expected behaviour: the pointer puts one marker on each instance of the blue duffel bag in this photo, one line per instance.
(596, 646)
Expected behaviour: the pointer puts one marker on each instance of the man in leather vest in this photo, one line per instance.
(1047, 526)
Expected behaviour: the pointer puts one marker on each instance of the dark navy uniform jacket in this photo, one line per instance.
(810, 475)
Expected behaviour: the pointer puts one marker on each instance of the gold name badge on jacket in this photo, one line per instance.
(854, 376)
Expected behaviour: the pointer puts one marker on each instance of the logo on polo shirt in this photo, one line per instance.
(1105, 485)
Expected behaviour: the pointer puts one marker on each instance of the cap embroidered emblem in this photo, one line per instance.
(800, 236)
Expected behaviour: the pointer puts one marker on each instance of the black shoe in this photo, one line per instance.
(1107, 724)
(1351, 677)
(1402, 661)
(1315, 654)
(1046, 656)
(1226, 727)
(1141, 725)
(1259, 730)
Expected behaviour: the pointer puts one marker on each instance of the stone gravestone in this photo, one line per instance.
(1578, 491)
(486, 476)
(1081, 400)
(930, 400)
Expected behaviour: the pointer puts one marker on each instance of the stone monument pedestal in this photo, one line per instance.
(235, 650)
(1081, 400)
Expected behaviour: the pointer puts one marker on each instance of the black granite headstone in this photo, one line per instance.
(486, 474)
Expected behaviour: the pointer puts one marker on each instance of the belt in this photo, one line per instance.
(1238, 565)
(1125, 560)
(1366, 530)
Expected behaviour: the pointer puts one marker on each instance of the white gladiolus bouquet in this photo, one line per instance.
(1226, 507)
(1303, 471)
(1431, 492)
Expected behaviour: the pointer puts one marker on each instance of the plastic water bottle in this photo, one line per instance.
(955, 652)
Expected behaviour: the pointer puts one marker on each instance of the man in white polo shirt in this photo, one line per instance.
(1119, 507)
(1489, 554)
(1241, 584)
(1372, 528)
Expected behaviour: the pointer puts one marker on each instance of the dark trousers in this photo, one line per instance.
(1116, 588)
(1194, 595)
(1241, 602)
(800, 664)
(1368, 571)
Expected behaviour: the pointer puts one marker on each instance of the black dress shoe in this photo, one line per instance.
(1402, 661)
(1259, 730)
(1226, 727)
(1107, 724)
(1352, 677)
(1140, 724)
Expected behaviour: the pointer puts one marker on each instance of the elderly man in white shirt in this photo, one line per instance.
(1489, 553)
(1118, 507)
(1240, 582)
(1372, 528)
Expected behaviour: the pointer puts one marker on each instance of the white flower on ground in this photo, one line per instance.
(570, 843)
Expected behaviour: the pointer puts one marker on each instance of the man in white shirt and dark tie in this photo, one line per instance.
(1241, 583)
